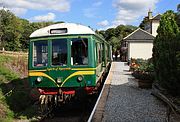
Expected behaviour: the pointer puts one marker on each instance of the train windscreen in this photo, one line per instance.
(59, 52)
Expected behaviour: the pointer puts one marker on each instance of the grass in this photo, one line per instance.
(5, 76)
(15, 101)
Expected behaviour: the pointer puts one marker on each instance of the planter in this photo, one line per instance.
(145, 83)
(145, 79)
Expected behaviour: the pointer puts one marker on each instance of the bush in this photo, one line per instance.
(143, 69)
(165, 54)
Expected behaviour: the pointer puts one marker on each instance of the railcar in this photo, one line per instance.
(66, 57)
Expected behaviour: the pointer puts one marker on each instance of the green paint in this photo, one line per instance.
(65, 71)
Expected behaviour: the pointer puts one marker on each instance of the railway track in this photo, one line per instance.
(75, 111)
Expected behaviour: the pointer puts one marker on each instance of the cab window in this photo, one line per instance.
(79, 51)
(59, 52)
(40, 53)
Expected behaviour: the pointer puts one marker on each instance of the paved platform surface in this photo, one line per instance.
(128, 103)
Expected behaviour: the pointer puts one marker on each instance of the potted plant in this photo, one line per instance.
(144, 73)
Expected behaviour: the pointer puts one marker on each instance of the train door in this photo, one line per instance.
(99, 61)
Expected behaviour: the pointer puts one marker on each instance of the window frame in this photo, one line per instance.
(88, 54)
(51, 52)
(99, 54)
(32, 54)
(49, 40)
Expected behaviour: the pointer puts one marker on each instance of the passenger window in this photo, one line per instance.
(107, 54)
(99, 53)
(59, 52)
(79, 51)
(40, 53)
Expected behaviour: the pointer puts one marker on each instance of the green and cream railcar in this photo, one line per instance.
(65, 57)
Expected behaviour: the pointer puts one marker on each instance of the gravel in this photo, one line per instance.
(128, 103)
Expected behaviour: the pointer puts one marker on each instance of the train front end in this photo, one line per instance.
(61, 62)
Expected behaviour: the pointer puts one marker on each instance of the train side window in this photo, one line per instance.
(40, 53)
(99, 53)
(107, 54)
(79, 51)
(59, 52)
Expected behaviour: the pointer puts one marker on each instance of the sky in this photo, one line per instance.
(98, 14)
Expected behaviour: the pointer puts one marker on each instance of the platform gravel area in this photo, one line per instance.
(128, 103)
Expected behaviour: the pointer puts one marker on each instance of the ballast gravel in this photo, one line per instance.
(128, 103)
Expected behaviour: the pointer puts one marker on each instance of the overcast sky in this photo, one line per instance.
(98, 14)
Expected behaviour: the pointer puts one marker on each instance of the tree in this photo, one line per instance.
(166, 47)
(115, 35)
(109, 33)
(178, 15)
(10, 30)
(101, 32)
(143, 23)
(178, 7)
(115, 42)
(15, 32)
(27, 29)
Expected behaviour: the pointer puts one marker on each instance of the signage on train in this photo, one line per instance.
(58, 31)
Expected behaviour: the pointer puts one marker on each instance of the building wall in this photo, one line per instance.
(140, 50)
(155, 25)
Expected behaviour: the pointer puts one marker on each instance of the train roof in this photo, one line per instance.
(62, 29)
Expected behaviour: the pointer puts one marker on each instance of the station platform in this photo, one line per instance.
(123, 101)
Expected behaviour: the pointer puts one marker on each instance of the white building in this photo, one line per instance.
(140, 42)
(152, 23)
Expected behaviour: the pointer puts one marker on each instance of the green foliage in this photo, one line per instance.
(142, 24)
(142, 65)
(15, 101)
(146, 66)
(18, 100)
(115, 42)
(178, 15)
(11, 30)
(15, 32)
(165, 50)
(5, 73)
(143, 69)
(115, 35)
(178, 7)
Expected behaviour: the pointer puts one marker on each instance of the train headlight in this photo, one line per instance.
(39, 79)
(79, 78)
(59, 80)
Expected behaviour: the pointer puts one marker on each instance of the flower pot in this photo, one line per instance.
(144, 83)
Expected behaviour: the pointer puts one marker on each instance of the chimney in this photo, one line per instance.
(150, 14)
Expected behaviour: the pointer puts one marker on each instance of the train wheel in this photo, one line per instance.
(46, 104)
